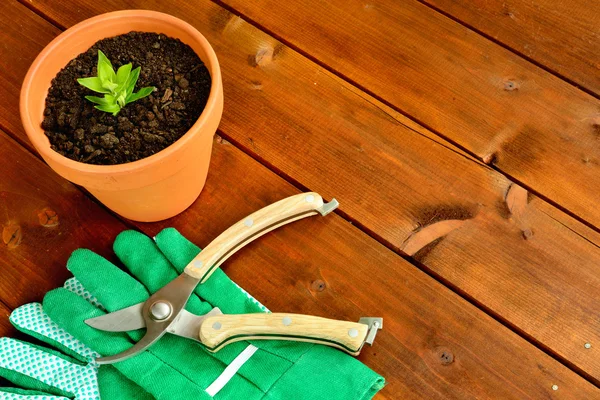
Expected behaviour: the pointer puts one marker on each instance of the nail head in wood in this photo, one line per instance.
(318, 285)
(446, 357)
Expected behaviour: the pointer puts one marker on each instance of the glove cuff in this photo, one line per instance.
(326, 373)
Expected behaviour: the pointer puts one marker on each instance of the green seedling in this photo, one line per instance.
(116, 86)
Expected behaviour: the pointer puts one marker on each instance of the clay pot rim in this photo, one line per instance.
(36, 133)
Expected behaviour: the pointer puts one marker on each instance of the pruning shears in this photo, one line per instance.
(164, 311)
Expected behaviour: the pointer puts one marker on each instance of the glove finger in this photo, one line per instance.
(32, 320)
(218, 290)
(73, 285)
(70, 311)
(11, 393)
(112, 287)
(38, 368)
(145, 261)
(178, 250)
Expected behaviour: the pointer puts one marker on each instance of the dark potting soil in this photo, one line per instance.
(142, 128)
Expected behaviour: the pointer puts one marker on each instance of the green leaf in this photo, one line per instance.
(93, 83)
(96, 100)
(143, 92)
(132, 80)
(109, 108)
(103, 59)
(110, 86)
(106, 73)
(106, 100)
(123, 76)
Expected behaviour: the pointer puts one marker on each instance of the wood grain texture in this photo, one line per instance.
(392, 179)
(435, 346)
(43, 219)
(327, 267)
(560, 35)
(6, 328)
(221, 330)
(24, 34)
(428, 325)
(528, 123)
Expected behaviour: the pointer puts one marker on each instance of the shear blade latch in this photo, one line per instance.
(374, 325)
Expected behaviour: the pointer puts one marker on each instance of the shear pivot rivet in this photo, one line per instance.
(310, 198)
(160, 310)
(554, 387)
(248, 222)
(286, 321)
(353, 332)
(587, 345)
(217, 326)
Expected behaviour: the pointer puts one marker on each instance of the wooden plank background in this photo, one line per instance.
(44, 218)
(515, 256)
(6, 329)
(362, 152)
(509, 113)
(424, 320)
(561, 36)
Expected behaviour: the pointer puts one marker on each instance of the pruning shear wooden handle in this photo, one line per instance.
(254, 226)
(220, 330)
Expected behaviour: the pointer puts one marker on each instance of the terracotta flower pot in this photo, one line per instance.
(156, 187)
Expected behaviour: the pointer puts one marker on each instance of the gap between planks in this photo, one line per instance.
(465, 153)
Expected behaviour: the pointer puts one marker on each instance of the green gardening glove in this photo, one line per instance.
(179, 368)
(41, 373)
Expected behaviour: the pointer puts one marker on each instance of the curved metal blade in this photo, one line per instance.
(126, 319)
(176, 293)
(152, 335)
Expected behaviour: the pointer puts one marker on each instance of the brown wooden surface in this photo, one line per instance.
(518, 256)
(528, 123)
(424, 321)
(6, 329)
(43, 219)
(352, 267)
(394, 181)
(24, 31)
(563, 36)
